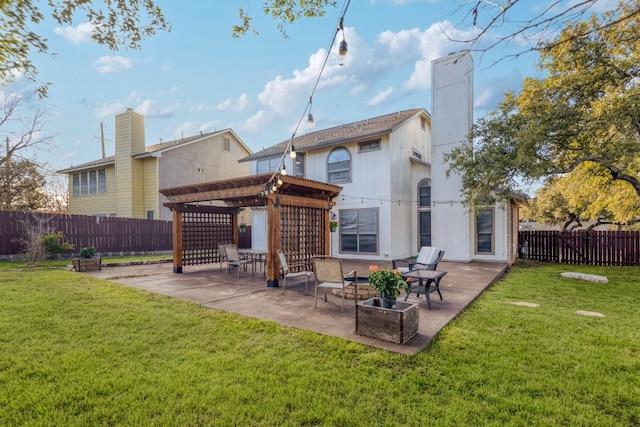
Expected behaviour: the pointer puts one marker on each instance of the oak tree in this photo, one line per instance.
(585, 111)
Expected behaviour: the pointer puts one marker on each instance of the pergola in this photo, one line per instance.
(298, 215)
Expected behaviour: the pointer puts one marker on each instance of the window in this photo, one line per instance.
(424, 193)
(76, 184)
(369, 146)
(102, 181)
(339, 166)
(298, 165)
(484, 231)
(149, 214)
(423, 123)
(359, 230)
(267, 165)
(425, 228)
(226, 144)
(84, 184)
(91, 182)
(424, 212)
(415, 153)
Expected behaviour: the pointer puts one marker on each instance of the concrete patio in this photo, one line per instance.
(249, 296)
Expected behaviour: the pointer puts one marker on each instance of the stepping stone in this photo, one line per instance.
(525, 304)
(590, 313)
(583, 276)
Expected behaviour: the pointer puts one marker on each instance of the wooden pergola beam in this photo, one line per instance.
(220, 194)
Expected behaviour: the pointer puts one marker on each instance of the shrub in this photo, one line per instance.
(53, 245)
(87, 252)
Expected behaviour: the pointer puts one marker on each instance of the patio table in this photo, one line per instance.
(257, 256)
(425, 279)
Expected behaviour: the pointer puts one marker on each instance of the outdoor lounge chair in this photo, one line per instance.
(329, 275)
(287, 273)
(234, 260)
(428, 259)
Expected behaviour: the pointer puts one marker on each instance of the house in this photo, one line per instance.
(383, 166)
(396, 193)
(127, 184)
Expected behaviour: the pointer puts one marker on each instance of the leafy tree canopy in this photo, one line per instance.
(584, 112)
(21, 186)
(586, 194)
(284, 12)
(121, 23)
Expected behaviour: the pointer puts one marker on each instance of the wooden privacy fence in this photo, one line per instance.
(107, 234)
(581, 247)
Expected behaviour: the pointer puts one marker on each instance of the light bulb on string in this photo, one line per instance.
(342, 51)
(283, 172)
(293, 152)
(279, 181)
(310, 116)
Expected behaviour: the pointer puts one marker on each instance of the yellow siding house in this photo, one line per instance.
(127, 184)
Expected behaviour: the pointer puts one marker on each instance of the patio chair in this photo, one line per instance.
(234, 260)
(428, 259)
(222, 253)
(329, 275)
(286, 270)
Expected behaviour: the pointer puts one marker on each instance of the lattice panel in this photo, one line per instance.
(201, 233)
(302, 232)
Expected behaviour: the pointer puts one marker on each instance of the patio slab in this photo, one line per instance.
(249, 296)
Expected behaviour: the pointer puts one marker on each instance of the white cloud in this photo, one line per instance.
(491, 91)
(112, 64)
(256, 122)
(76, 35)
(108, 110)
(380, 97)
(150, 108)
(236, 106)
(228, 105)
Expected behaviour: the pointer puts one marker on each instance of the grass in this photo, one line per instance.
(77, 351)
(64, 262)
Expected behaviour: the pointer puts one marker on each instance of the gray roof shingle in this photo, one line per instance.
(360, 130)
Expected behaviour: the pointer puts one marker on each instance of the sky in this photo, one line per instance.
(198, 78)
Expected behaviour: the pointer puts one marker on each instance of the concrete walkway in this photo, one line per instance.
(249, 296)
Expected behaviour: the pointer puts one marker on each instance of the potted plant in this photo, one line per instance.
(88, 252)
(388, 283)
(242, 227)
(333, 225)
(88, 260)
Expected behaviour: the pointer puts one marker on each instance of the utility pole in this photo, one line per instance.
(102, 137)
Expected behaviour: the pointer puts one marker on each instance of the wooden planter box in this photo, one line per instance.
(397, 325)
(87, 264)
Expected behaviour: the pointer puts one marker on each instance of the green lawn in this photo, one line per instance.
(78, 351)
(63, 262)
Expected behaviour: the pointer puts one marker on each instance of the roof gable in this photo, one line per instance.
(361, 130)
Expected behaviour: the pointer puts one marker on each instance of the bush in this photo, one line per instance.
(54, 246)
(87, 252)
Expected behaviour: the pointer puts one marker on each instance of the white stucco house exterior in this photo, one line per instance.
(395, 194)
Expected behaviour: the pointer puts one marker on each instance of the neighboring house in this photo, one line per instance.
(396, 194)
(383, 167)
(127, 184)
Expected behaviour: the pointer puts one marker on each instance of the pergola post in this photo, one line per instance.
(177, 241)
(234, 227)
(327, 231)
(273, 240)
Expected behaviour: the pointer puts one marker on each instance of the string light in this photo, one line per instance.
(310, 116)
(273, 182)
